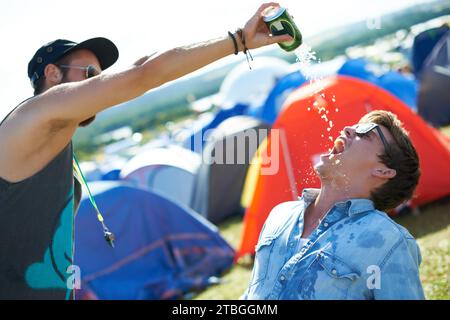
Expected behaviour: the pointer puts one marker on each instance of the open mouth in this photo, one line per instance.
(339, 147)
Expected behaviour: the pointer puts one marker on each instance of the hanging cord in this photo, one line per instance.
(247, 52)
(109, 236)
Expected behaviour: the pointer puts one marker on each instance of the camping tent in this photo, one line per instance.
(168, 171)
(434, 94)
(303, 135)
(320, 69)
(162, 250)
(362, 69)
(196, 140)
(111, 175)
(269, 111)
(242, 86)
(402, 86)
(423, 44)
(240, 91)
(221, 176)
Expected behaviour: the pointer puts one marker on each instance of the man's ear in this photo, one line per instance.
(53, 74)
(384, 173)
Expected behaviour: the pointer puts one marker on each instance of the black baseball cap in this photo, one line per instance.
(105, 51)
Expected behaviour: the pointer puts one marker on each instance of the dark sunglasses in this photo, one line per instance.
(90, 70)
(362, 129)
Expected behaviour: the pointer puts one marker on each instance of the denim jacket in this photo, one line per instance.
(356, 252)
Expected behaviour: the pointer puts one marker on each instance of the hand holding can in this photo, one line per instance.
(280, 22)
(256, 32)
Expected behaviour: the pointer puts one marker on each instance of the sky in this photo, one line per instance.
(140, 27)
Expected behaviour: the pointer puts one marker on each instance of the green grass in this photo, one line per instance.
(235, 281)
(432, 231)
(446, 131)
(431, 228)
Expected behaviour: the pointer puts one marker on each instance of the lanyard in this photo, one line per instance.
(109, 236)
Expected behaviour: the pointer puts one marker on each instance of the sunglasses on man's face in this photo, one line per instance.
(363, 129)
(90, 70)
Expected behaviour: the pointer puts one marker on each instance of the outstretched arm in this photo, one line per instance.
(86, 98)
(40, 128)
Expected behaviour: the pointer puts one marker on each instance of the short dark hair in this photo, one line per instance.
(39, 84)
(400, 156)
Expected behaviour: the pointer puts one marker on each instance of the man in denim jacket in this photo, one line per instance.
(336, 242)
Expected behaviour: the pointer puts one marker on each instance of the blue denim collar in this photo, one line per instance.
(352, 206)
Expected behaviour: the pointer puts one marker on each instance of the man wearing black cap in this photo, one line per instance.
(38, 195)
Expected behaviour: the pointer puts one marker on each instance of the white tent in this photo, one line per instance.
(168, 171)
(251, 87)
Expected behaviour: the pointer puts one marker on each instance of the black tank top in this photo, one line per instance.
(36, 232)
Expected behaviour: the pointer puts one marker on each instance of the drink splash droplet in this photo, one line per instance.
(305, 57)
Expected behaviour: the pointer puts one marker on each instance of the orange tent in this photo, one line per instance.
(311, 119)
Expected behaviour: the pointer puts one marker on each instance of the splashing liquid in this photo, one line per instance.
(325, 106)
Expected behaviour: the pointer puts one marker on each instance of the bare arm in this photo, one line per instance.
(42, 126)
(86, 98)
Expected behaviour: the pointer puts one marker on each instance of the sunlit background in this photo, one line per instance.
(140, 27)
(146, 144)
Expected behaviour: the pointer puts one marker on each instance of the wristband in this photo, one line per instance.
(236, 51)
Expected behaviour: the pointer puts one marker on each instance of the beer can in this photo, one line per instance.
(280, 22)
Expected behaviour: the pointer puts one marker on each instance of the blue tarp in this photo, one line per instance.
(272, 106)
(197, 140)
(162, 251)
(403, 87)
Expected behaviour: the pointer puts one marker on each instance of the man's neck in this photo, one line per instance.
(328, 197)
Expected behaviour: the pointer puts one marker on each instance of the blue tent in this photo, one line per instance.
(434, 95)
(111, 175)
(404, 88)
(162, 250)
(361, 69)
(272, 106)
(423, 44)
(197, 140)
(401, 86)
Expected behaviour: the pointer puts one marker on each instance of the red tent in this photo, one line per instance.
(311, 119)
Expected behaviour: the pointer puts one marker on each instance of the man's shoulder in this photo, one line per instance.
(384, 221)
(379, 225)
(371, 237)
(14, 109)
(285, 210)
